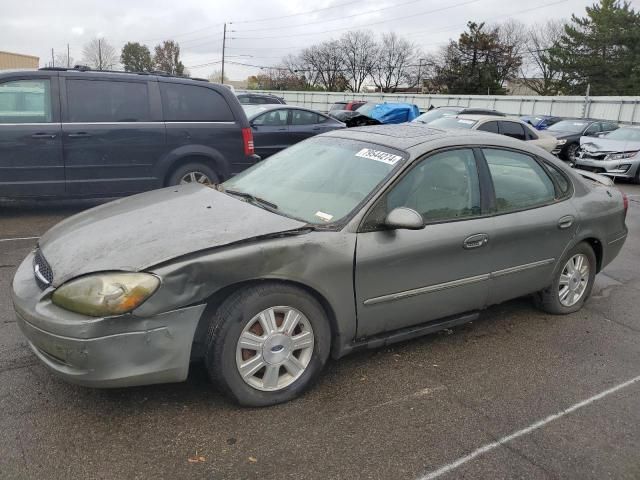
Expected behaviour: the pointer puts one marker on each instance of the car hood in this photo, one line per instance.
(605, 145)
(138, 232)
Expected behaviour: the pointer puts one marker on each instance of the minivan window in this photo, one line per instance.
(25, 101)
(519, 181)
(193, 103)
(107, 101)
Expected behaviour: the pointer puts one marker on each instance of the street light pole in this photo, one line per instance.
(224, 44)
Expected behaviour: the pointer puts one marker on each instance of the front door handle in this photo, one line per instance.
(44, 135)
(566, 221)
(475, 241)
(79, 135)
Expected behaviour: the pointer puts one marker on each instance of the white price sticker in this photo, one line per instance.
(379, 156)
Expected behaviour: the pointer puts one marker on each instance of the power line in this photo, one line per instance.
(331, 19)
(460, 4)
(298, 14)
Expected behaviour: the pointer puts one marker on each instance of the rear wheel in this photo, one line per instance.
(572, 284)
(267, 344)
(194, 172)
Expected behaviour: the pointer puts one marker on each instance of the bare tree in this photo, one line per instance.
(396, 57)
(167, 58)
(215, 76)
(538, 73)
(99, 55)
(326, 61)
(513, 37)
(359, 51)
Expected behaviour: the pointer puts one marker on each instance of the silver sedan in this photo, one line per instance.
(352, 239)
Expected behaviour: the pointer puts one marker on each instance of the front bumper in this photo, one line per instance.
(612, 168)
(119, 351)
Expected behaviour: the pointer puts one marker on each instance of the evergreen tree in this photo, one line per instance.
(136, 58)
(601, 50)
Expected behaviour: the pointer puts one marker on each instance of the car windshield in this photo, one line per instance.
(624, 134)
(366, 108)
(453, 122)
(320, 180)
(253, 110)
(576, 126)
(434, 115)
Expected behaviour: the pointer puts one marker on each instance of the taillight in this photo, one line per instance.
(247, 138)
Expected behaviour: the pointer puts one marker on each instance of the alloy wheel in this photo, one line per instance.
(195, 177)
(274, 348)
(574, 280)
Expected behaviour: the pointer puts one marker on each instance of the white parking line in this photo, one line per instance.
(17, 239)
(490, 446)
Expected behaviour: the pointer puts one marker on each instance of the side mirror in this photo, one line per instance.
(404, 218)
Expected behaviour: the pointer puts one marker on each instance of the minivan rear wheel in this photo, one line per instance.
(194, 172)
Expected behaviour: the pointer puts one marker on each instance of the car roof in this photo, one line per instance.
(241, 94)
(405, 136)
(493, 118)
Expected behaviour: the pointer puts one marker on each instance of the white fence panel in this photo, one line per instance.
(619, 109)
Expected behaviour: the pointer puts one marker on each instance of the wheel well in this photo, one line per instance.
(596, 245)
(215, 300)
(191, 159)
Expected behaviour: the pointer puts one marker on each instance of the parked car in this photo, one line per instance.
(377, 114)
(276, 127)
(615, 154)
(260, 99)
(81, 133)
(438, 112)
(349, 240)
(509, 126)
(540, 122)
(569, 131)
(346, 105)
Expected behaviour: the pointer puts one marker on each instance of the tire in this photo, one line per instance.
(239, 315)
(193, 172)
(571, 152)
(549, 299)
(636, 178)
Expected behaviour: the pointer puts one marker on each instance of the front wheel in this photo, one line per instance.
(572, 283)
(572, 153)
(267, 344)
(195, 172)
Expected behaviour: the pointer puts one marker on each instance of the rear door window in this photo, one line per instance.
(272, 118)
(107, 101)
(512, 129)
(303, 117)
(193, 103)
(519, 181)
(25, 101)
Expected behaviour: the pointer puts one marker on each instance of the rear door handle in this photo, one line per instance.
(44, 135)
(565, 222)
(475, 241)
(79, 135)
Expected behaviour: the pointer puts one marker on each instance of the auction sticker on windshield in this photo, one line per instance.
(378, 155)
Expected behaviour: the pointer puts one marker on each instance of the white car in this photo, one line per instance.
(509, 126)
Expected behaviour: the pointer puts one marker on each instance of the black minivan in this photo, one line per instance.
(73, 132)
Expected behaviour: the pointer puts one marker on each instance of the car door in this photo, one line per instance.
(534, 223)
(111, 137)
(305, 124)
(31, 162)
(271, 132)
(408, 277)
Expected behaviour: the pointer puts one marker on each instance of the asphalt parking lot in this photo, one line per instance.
(517, 394)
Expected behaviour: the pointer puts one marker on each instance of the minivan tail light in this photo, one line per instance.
(247, 138)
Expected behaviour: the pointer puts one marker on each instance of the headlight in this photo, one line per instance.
(621, 156)
(562, 141)
(106, 294)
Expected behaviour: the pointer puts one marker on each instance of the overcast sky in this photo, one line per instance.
(261, 31)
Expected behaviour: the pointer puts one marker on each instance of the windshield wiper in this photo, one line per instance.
(252, 198)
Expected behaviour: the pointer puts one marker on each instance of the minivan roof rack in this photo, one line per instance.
(84, 68)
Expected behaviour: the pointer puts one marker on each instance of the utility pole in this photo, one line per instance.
(99, 54)
(53, 61)
(224, 44)
(68, 57)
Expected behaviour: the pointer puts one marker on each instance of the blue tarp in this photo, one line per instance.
(394, 112)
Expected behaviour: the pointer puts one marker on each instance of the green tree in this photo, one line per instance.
(136, 58)
(167, 58)
(601, 50)
(478, 63)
